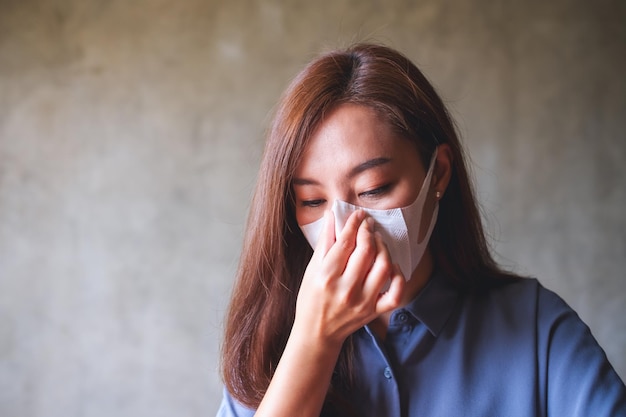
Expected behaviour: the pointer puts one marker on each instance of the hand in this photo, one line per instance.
(340, 293)
(341, 287)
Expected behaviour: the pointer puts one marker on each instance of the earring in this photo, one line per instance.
(438, 195)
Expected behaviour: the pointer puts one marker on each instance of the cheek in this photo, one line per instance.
(300, 218)
(409, 195)
(308, 215)
(407, 192)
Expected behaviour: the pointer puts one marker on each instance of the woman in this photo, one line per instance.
(399, 310)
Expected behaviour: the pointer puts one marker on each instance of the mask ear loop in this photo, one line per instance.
(435, 139)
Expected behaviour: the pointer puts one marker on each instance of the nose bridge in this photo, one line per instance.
(342, 191)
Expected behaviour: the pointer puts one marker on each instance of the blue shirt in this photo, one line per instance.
(518, 350)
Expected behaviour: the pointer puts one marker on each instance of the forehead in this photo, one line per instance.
(349, 135)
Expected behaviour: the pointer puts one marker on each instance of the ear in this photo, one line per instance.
(443, 169)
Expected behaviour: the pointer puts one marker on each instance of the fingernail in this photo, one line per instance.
(370, 222)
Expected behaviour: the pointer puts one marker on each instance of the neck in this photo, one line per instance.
(419, 279)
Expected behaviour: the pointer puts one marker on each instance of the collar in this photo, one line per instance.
(433, 305)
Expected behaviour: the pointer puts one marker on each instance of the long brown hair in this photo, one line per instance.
(275, 253)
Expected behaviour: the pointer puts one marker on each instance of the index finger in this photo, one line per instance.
(345, 243)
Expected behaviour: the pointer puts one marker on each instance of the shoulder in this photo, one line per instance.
(529, 300)
(526, 303)
(574, 375)
(510, 306)
(525, 296)
(522, 314)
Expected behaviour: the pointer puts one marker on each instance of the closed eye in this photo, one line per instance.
(312, 203)
(376, 191)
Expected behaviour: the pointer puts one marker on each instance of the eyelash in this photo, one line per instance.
(376, 192)
(312, 203)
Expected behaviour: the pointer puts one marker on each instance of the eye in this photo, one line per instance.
(312, 203)
(376, 192)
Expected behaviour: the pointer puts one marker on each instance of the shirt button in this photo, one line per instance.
(403, 317)
(406, 328)
(387, 373)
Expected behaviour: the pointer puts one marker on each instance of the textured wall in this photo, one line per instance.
(130, 134)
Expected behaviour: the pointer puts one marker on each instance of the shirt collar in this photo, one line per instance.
(434, 304)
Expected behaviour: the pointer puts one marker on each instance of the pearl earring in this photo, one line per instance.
(438, 195)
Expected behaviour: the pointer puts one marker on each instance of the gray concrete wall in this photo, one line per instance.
(130, 134)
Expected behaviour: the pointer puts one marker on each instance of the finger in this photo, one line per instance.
(391, 299)
(345, 243)
(381, 271)
(364, 254)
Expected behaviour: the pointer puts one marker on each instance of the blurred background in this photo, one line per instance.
(130, 137)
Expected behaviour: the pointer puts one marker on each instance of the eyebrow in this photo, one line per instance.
(369, 164)
(372, 163)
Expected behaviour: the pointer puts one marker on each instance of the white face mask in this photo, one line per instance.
(399, 228)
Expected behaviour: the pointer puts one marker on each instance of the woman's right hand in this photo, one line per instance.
(341, 287)
(340, 293)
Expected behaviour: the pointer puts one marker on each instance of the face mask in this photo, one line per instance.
(399, 228)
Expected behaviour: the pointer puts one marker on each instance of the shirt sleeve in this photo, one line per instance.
(232, 408)
(578, 379)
